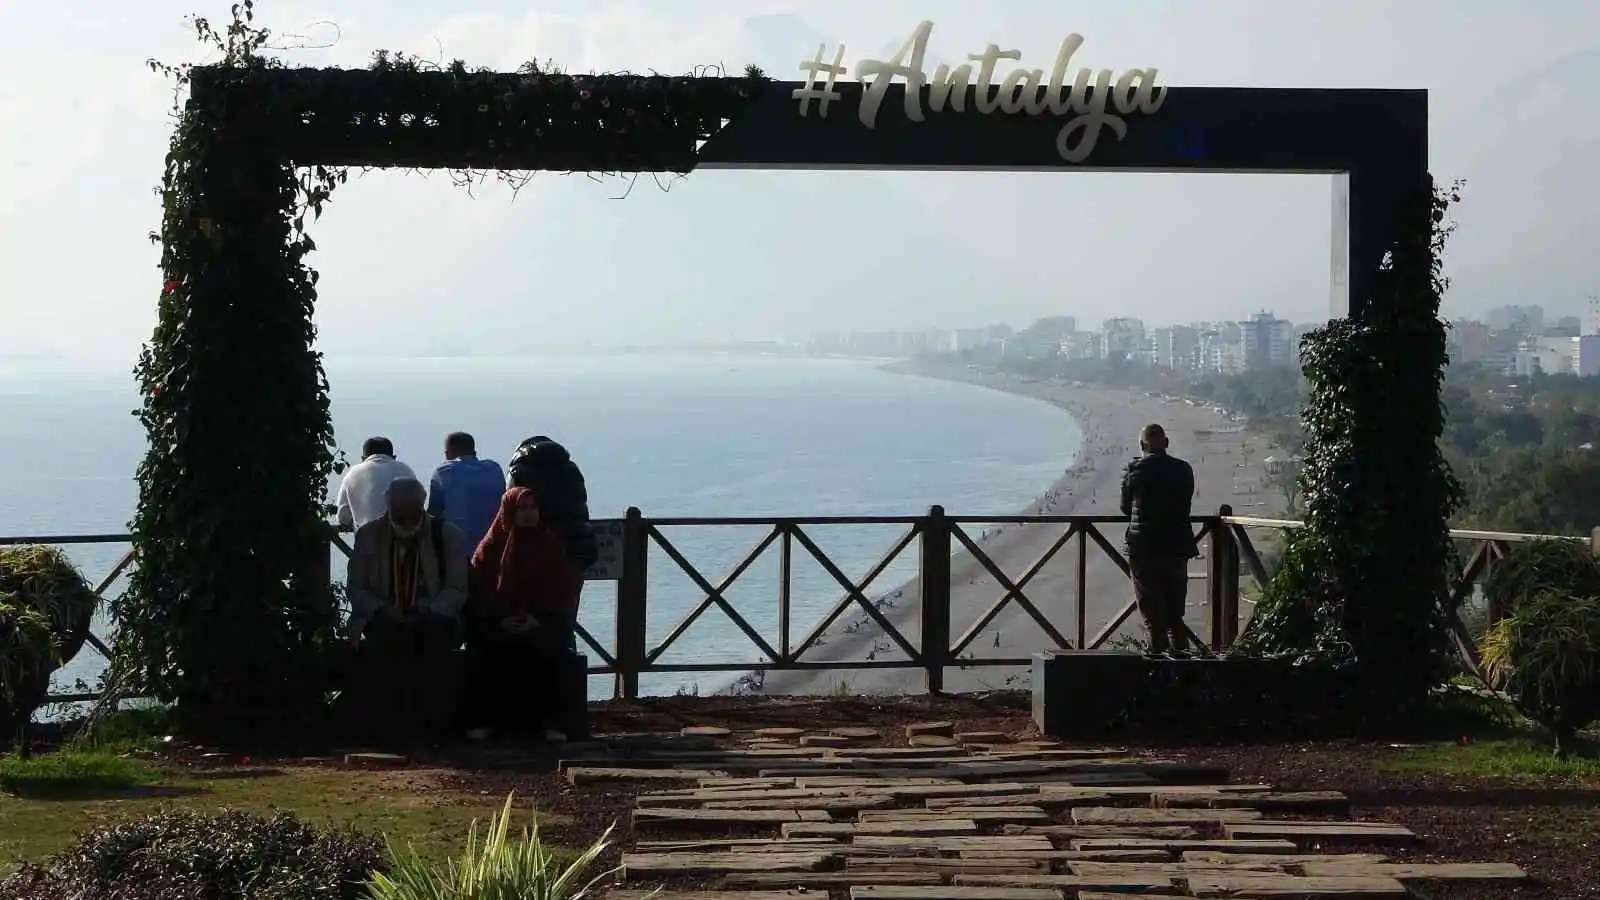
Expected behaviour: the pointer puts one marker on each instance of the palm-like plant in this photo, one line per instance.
(1546, 656)
(496, 868)
(28, 651)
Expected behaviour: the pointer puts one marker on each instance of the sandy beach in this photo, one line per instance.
(1228, 469)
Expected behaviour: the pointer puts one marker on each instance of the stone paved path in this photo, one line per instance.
(763, 815)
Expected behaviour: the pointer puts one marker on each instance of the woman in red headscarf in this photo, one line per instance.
(525, 606)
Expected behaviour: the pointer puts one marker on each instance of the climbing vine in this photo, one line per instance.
(1365, 581)
(229, 613)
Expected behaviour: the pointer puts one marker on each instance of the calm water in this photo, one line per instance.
(719, 436)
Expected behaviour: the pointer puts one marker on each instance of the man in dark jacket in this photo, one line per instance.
(547, 468)
(1157, 491)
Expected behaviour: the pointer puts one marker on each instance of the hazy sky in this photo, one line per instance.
(411, 262)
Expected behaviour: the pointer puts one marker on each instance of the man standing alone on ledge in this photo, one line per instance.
(1157, 492)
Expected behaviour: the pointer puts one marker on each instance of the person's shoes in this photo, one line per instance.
(479, 735)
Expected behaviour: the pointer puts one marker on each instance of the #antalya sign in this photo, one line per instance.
(1095, 101)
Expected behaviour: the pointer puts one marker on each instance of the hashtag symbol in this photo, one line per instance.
(815, 70)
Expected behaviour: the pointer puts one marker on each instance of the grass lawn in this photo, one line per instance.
(1508, 757)
(47, 800)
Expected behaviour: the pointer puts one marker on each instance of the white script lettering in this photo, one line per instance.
(1096, 101)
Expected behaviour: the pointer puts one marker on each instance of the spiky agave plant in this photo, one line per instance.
(496, 868)
(1546, 656)
(45, 578)
(28, 652)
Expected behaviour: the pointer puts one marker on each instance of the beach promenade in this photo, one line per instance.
(1228, 469)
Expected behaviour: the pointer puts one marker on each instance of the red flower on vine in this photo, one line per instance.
(155, 391)
(169, 287)
(583, 95)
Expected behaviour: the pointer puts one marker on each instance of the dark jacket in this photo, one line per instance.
(547, 468)
(1157, 492)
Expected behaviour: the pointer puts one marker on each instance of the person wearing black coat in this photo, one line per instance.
(1157, 493)
(546, 467)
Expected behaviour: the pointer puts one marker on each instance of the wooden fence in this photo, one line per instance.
(635, 543)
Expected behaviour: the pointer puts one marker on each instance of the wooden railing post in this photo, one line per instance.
(1222, 581)
(934, 582)
(632, 590)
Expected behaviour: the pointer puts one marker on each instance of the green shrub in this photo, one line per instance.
(497, 868)
(184, 855)
(1568, 567)
(45, 610)
(27, 652)
(68, 773)
(1546, 656)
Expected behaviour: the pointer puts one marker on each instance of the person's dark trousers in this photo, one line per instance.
(522, 684)
(1160, 588)
(403, 681)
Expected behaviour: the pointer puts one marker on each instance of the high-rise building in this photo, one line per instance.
(1469, 341)
(1176, 347)
(1268, 341)
(1126, 337)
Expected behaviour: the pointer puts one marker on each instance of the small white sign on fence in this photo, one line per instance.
(608, 566)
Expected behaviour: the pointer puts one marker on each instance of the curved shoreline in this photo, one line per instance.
(1109, 420)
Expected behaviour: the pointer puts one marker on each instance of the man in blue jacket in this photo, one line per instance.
(465, 490)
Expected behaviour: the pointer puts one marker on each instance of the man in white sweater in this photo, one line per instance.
(364, 492)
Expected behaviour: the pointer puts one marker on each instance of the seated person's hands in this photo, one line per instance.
(519, 624)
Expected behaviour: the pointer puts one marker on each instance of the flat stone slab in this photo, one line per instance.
(1110, 815)
(944, 729)
(1288, 859)
(1349, 832)
(829, 879)
(947, 892)
(908, 828)
(932, 740)
(779, 732)
(1291, 887)
(1071, 832)
(826, 740)
(593, 774)
(1068, 856)
(688, 818)
(708, 895)
(941, 864)
(739, 845)
(856, 733)
(1179, 846)
(835, 803)
(389, 760)
(656, 865)
(1322, 802)
(984, 737)
(1135, 883)
(1419, 871)
(1012, 845)
(983, 815)
(1043, 801)
(710, 731)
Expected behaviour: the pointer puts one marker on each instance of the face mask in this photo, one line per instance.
(404, 531)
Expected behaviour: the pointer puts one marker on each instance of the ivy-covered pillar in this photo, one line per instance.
(226, 614)
(1374, 559)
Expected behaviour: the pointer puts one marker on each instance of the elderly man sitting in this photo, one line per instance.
(407, 583)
